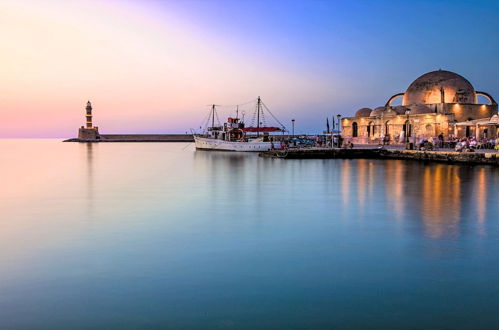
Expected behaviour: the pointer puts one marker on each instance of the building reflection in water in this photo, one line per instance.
(433, 197)
(441, 200)
(395, 187)
(346, 181)
(481, 198)
(437, 196)
(362, 179)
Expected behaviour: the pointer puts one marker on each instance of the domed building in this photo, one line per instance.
(438, 102)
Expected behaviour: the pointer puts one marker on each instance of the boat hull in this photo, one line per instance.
(221, 145)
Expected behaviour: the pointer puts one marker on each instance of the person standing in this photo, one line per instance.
(441, 139)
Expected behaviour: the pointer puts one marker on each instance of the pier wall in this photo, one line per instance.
(95, 137)
(138, 138)
(451, 157)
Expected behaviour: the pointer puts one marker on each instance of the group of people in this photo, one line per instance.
(459, 144)
(419, 143)
(326, 141)
(313, 141)
(472, 143)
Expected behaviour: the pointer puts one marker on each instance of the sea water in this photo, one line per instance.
(159, 235)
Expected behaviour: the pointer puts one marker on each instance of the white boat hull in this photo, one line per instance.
(215, 144)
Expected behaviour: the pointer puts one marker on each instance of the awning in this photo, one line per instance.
(262, 129)
(494, 120)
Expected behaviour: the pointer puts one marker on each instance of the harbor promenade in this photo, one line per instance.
(489, 157)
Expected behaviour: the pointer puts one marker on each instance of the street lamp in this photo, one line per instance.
(407, 128)
(339, 131)
(293, 127)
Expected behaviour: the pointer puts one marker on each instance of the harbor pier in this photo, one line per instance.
(136, 138)
(442, 156)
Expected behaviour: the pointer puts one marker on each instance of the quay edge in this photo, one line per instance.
(137, 138)
(451, 157)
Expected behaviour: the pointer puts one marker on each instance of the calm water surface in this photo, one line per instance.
(131, 235)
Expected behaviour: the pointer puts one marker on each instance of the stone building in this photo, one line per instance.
(434, 103)
(89, 132)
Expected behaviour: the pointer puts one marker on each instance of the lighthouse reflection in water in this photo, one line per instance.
(137, 235)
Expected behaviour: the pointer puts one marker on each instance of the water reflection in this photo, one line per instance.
(236, 237)
(481, 199)
(435, 196)
(440, 189)
(346, 180)
(89, 155)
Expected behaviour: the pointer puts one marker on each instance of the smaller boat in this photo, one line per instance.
(235, 136)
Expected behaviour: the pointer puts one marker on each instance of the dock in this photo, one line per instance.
(442, 156)
(137, 138)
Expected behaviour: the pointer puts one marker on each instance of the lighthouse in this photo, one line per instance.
(89, 115)
(88, 133)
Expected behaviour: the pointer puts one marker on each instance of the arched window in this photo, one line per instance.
(407, 129)
(387, 128)
(370, 129)
(355, 129)
(429, 129)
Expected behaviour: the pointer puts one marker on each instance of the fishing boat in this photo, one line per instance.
(234, 135)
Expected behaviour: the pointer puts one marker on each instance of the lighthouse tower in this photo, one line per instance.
(88, 133)
(89, 115)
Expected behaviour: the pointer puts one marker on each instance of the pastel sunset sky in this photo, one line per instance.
(154, 66)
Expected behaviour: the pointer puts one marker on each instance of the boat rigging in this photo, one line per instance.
(234, 135)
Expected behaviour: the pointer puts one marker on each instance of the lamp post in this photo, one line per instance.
(339, 121)
(407, 126)
(293, 128)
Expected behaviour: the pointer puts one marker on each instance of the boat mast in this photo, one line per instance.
(258, 116)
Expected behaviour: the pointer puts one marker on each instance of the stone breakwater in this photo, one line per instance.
(451, 157)
(138, 138)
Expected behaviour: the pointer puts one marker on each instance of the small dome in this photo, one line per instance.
(419, 109)
(400, 109)
(364, 112)
(377, 111)
(431, 87)
(390, 112)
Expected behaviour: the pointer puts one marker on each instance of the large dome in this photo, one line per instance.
(427, 89)
(418, 109)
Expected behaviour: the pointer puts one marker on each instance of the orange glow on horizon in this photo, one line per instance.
(144, 71)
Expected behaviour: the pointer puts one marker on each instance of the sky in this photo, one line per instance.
(155, 66)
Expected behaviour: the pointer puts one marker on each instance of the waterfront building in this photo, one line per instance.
(89, 132)
(438, 102)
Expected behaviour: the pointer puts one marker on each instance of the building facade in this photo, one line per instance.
(432, 105)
